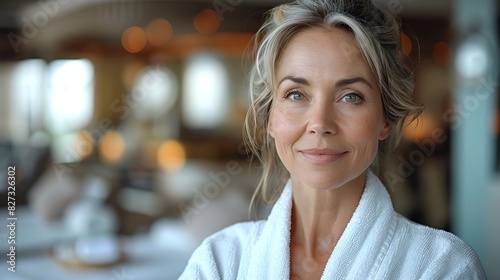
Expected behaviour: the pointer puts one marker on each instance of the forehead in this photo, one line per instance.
(320, 52)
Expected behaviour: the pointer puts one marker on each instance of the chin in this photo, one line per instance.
(323, 183)
(329, 182)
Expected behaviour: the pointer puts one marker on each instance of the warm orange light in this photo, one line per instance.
(206, 22)
(442, 53)
(159, 32)
(112, 147)
(171, 155)
(406, 44)
(419, 129)
(134, 39)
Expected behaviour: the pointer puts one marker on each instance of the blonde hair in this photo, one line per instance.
(377, 33)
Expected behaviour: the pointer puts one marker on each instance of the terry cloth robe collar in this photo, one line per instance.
(362, 245)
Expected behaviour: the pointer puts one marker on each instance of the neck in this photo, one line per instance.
(319, 217)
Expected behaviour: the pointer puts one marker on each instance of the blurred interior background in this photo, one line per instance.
(123, 121)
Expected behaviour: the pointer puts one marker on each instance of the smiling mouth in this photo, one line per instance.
(323, 156)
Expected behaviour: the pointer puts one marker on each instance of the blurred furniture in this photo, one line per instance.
(160, 254)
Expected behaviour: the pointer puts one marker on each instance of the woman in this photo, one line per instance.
(330, 92)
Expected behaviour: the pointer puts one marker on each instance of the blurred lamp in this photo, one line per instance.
(112, 147)
(171, 155)
(472, 58)
(154, 93)
(207, 22)
(134, 39)
(406, 45)
(159, 32)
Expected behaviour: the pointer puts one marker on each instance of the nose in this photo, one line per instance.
(322, 119)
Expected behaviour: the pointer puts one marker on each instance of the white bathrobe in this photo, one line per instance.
(378, 243)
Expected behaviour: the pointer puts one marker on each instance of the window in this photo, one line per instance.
(27, 96)
(205, 99)
(70, 95)
(69, 107)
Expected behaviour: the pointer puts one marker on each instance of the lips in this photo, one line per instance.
(323, 156)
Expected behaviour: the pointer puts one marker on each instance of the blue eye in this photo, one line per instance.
(352, 98)
(294, 95)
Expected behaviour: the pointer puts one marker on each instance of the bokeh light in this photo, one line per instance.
(406, 44)
(171, 155)
(419, 129)
(159, 32)
(112, 147)
(207, 22)
(134, 39)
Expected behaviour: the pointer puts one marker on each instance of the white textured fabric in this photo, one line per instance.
(377, 243)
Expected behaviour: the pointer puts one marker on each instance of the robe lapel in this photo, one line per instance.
(358, 253)
(270, 257)
(364, 243)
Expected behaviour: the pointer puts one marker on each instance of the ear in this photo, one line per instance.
(385, 131)
(270, 130)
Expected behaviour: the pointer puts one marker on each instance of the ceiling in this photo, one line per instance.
(27, 26)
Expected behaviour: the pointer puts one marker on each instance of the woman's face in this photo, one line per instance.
(327, 115)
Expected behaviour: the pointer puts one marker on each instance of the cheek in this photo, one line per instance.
(374, 122)
(366, 138)
(283, 125)
(364, 141)
(369, 128)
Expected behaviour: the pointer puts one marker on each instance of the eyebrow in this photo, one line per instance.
(345, 82)
(340, 83)
(297, 80)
